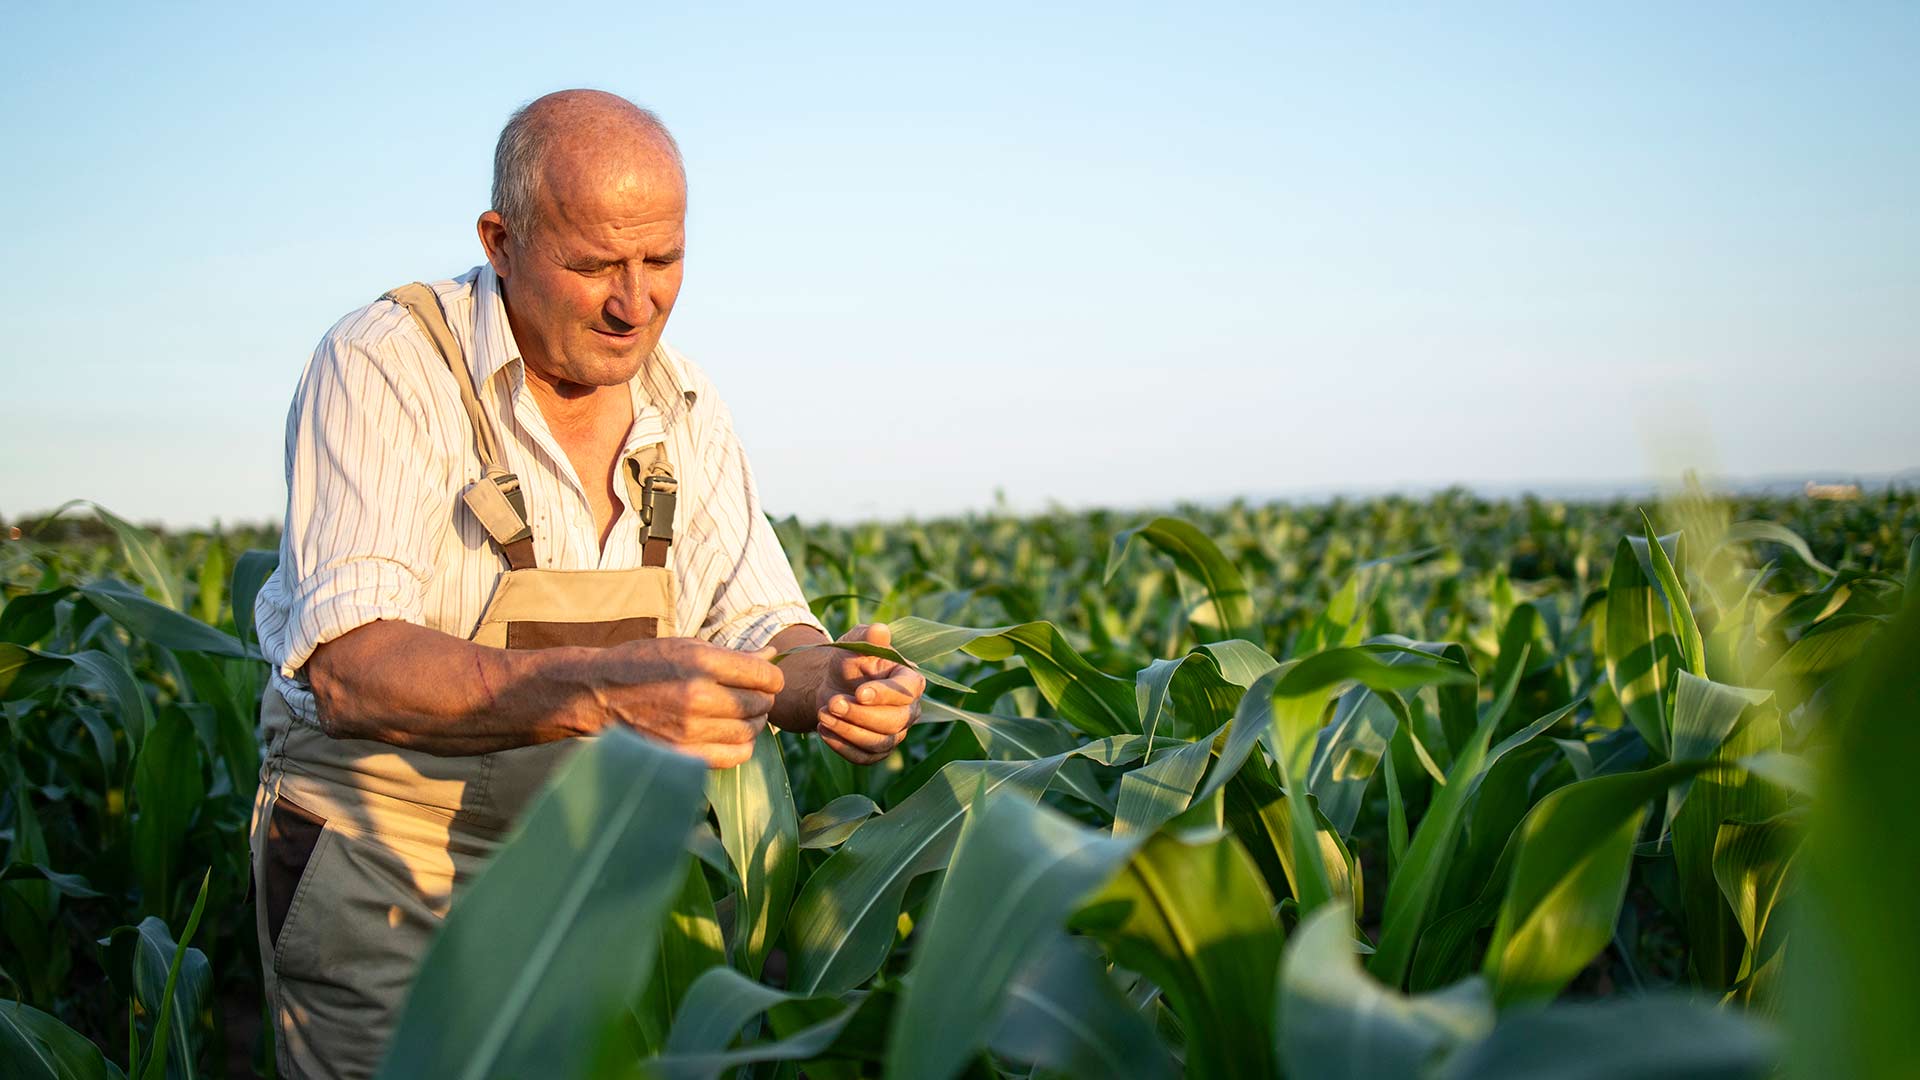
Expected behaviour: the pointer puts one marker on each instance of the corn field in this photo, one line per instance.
(1425, 788)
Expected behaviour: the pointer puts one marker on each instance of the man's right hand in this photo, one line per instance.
(700, 699)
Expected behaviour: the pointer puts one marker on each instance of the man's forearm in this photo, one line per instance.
(793, 708)
(405, 684)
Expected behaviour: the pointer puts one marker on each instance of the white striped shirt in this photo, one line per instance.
(379, 449)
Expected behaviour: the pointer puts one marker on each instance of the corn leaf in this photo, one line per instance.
(1572, 854)
(1018, 872)
(1023, 738)
(1693, 650)
(159, 624)
(1151, 795)
(1085, 697)
(1336, 1021)
(1350, 752)
(250, 571)
(1195, 918)
(830, 825)
(1228, 610)
(35, 1046)
(599, 858)
(1770, 532)
(1813, 660)
(1857, 988)
(690, 945)
(210, 583)
(1063, 1014)
(720, 1004)
(1240, 662)
(174, 981)
(1410, 894)
(1298, 699)
(1704, 715)
(1711, 800)
(842, 923)
(1640, 646)
(145, 555)
(24, 670)
(1751, 863)
(168, 787)
(868, 648)
(1261, 816)
(761, 833)
(1658, 1035)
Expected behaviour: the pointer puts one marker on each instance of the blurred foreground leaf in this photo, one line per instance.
(557, 936)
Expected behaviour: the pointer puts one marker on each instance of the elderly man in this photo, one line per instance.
(515, 518)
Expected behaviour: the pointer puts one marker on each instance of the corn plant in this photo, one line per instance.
(1440, 788)
(1166, 871)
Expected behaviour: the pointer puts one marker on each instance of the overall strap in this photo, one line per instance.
(654, 493)
(496, 498)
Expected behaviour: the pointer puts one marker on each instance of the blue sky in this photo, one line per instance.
(1091, 256)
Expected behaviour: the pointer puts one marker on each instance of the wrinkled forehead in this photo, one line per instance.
(586, 182)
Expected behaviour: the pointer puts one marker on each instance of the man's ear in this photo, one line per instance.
(493, 239)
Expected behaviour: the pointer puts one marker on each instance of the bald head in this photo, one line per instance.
(570, 133)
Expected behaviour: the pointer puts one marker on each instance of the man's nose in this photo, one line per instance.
(630, 300)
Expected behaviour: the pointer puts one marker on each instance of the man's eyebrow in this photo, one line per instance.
(675, 255)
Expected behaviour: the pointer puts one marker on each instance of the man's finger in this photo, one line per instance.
(886, 719)
(851, 667)
(872, 633)
(726, 731)
(873, 742)
(714, 699)
(851, 752)
(725, 756)
(902, 688)
(748, 671)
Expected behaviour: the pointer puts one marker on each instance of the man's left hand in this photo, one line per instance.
(865, 703)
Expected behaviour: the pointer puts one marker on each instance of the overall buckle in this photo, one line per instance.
(659, 494)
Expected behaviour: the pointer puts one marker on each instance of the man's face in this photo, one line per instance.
(590, 284)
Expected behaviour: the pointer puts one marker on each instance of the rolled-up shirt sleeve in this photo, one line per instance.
(759, 597)
(363, 489)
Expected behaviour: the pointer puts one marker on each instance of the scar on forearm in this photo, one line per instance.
(486, 685)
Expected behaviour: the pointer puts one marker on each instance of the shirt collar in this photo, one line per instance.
(493, 344)
(494, 347)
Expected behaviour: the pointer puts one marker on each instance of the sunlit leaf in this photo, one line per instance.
(831, 824)
(1228, 612)
(1639, 646)
(599, 858)
(1196, 919)
(843, 920)
(1572, 854)
(868, 648)
(761, 833)
(1018, 871)
(1411, 892)
(1086, 697)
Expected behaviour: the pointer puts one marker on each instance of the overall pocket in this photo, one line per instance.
(293, 834)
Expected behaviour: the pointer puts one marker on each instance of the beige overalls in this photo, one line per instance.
(359, 846)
